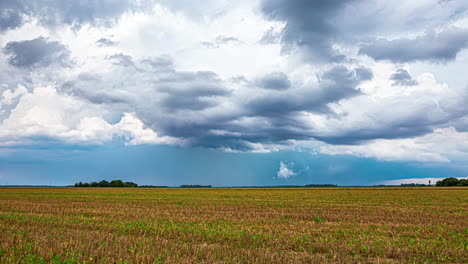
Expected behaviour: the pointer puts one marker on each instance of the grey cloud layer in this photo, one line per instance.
(204, 109)
(336, 84)
(442, 46)
(76, 13)
(237, 113)
(155, 80)
(38, 52)
(274, 81)
(315, 27)
(308, 26)
(11, 15)
(201, 107)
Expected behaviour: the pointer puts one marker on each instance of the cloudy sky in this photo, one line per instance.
(221, 92)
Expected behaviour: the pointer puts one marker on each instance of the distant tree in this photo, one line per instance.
(451, 181)
(104, 183)
(130, 184)
(463, 182)
(116, 183)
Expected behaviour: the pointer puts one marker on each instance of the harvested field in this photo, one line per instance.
(336, 225)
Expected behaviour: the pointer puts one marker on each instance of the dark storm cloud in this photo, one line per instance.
(438, 47)
(181, 103)
(57, 12)
(407, 127)
(309, 26)
(402, 117)
(403, 78)
(201, 108)
(275, 119)
(190, 105)
(238, 113)
(272, 118)
(38, 52)
(336, 84)
(274, 81)
(360, 135)
(193, 91)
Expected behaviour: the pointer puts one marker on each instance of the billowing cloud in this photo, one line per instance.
(38, 52)
(44, 113)
(190, 104)
(294, 73)
(284, 172)
(10, 95)
(320, 29)
(335, 84)
(397, 115)
(308, 26)
(440, 46)
(149, 79)
(75, 13)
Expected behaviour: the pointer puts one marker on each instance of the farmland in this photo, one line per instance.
(308, 225)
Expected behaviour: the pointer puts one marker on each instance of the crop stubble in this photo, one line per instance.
(336, 225)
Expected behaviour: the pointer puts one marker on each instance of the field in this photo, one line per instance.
(338, 225)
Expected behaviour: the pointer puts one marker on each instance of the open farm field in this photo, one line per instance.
(336, 225)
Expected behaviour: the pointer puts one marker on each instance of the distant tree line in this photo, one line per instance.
(104, 183)
(153, 186)
(413, 185)
(452, 182)
(195, 186)
(320, 185)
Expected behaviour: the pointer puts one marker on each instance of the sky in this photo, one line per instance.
(233, 93)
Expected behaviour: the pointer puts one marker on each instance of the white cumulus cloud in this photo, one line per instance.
(8, 96)
(46, 113)
(284, 171)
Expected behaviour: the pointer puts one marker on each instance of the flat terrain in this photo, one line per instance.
(338, 225)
